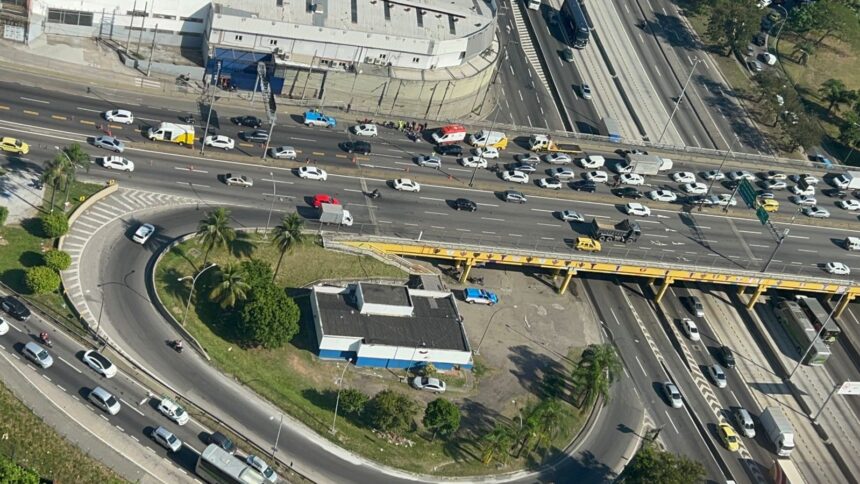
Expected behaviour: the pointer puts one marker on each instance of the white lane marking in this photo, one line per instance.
(120, 428)
(640, 365)
(757, 245)
(549, 225)
(797, 237)
(488, 233)
(434, 199)
(487, 205)
(514, 235)
(35, 100)
(463, 230)
(436, 227)
(61, 388)
(131, 407)
(71, 365)
(188, 168)
(90, 110)
(411, 225)
(385, 222)
(657, 235)
(435, 213)
(279, 181)
(547, 238)
(596, 216)
(541, 210)
(703, 227)
(493, 219)
(749, 232)
(352, 190)
(303, 139)
(807, 250)
(671, 421)
(193, 184)
(648, 221)
(460, 169)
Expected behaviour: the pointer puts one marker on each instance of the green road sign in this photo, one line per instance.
(747, 192)
(762, 215)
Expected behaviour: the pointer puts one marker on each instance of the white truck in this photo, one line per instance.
(778, 430)
(644, 164)
(182, 134)
(784, 471)
(335, 214)
(849, 180)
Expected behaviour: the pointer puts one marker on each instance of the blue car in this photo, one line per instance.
(480, 296)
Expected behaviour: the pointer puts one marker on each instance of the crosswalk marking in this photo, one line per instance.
(526, 44)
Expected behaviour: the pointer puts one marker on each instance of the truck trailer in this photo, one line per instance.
(783, 471)
(611, 129)
(778, 430)
(849, 180)
(645, 164)
(542, 142)
(624, 231)
(335, 214)
(182, 134)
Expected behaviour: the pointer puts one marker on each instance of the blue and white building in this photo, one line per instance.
(390, 326)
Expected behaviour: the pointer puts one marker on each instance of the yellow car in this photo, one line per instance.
(730, 438)
(13, 145)
(769, 205)
(587, 244)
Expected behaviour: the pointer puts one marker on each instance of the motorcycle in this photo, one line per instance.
(177, 345)
(46, 340)
(374, 194)
(188, 119)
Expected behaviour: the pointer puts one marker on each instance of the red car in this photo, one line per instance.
(321, 198)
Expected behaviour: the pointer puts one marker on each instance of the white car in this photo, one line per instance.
(220, 141)
(283, 153)
(531, 158)
(553, 183)
(571, 216)
(487, 152)
(690, 329)
(808, 191)
(809, 179)
(715, 175)
(406, 185)
(592, 161)
(718, 376)
(4, 326)
(598, 176)
(775, 185)
(637, 209)
(434, 385)
(726, 199)
(837, 268)
(672, 395)
(768, 58)
(121, 116)
(473, 162)
(562, 173)
(365, 130)
(684, 177)
(558, 158)
(662, 196)
(143, 233)
(262, 468)
(850, 205)
(631, 179)
(741, 175)
(173, 411)
(775, 175)
(816, 212)
(696, 188)
(804, 200)
(515, 176)
(313, 173)
(115, 162)
(99, 363)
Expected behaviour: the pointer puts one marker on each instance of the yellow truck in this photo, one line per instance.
(542, 142)
(182, 134)
(588, 244)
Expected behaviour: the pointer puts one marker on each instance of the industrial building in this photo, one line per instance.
(390, 326)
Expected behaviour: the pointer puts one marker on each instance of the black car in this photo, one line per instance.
(362, 147)
(256, 136)
(727, 357)
(835, 193)
(222, 441)
(583, 186)
(15, 308)
(627, 192)
(450, 150)
(465, 204)
(249, 121)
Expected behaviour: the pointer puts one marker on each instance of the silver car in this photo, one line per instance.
(38, 355)
(109, 143)
(431, 161)
(166, 439)
(673, 396)
(514, 196)
(571, 216)
(283, 152)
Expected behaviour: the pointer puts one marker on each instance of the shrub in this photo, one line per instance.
(57, 260)
(391, 411)
(442, 417)
(353, 401)
(55, 224)
(270, 319)
(4, 214)
(42, 280)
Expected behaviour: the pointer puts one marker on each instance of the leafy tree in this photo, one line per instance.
(57, 260)
(4, 214)
(257, 273)
(849, 132)
(651, 465)
(214, 231)
(833, 18)
(802, 50)
(731, 24)
(799, 129)
(496, 445)
(391, 411)
(55, 224)
(442, 417)
(42, 280)
(12, 473)
(286, 236)
(835, 93)
(596, 371)
(55, 174)
(270, 319)
(231, 287)
(353, 401)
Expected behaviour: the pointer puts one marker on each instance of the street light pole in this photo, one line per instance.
(339, 387)
(780, 240)
(696, 61)
(277, 437)
(193, 283)
(720, 170)
(274, 195)
(492, 126)
(817, 337)
(211, 106)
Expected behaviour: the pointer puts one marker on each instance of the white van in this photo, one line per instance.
(852, 243)
(495, 139)
(592, 161)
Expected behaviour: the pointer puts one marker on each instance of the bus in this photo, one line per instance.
(533, 4)
(217, 466)
(818, 316)
(578, 23)
(802, 333)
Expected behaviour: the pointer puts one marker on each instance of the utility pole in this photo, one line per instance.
(211, 104)
(696, 61)
(274, 196)
(817, 338)
(492, 126)
(780, 239)
(152, 52)
(339, 387)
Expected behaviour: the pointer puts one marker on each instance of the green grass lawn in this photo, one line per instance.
(30, 443)
(292, 377)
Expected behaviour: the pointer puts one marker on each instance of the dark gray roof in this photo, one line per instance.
(435, 323)
(385, 294)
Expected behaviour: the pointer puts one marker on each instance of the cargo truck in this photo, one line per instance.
(182, 134)
(849, 180)
(611, 129)
(542, 142)
(335, 214)
(778, 430)
(644, 164)
(802, 333)
(624, 231)
(784, 471)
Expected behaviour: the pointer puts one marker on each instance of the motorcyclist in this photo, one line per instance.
(178, 345)
(45, 338)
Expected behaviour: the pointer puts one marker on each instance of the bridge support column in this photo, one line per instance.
(567, 277)
(465, 276)
(759, 290)
(663, 288)
(741, 290)
(843, 303)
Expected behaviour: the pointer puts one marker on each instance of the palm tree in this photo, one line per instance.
(497, 443)
(545, 422)
(231, 287)
(55, 173)
(214, 231)
(835, 92)
(596, 371)
(286, 236)
(75, 158)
